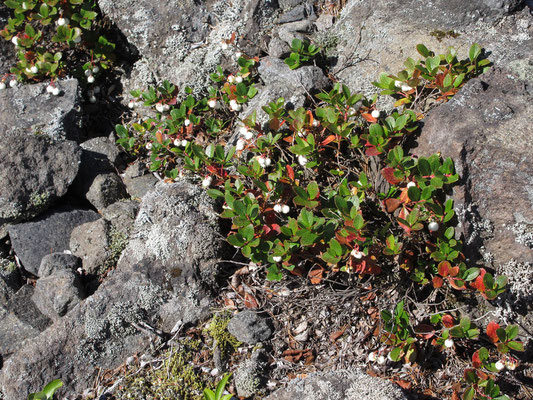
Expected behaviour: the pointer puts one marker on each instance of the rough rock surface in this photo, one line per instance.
(7, 50)
(339, 385)
(137, 181)
(250, 375)
(250, 327)
(122, 215)
(30, 109)
(49, 233)
(105, 190)
(366, 40)
(34, 173)
(156, 283)
(486, 130)
(91, 242)
(57, 262)
(58, 293)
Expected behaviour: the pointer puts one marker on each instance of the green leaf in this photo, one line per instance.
(475, 51)
(469, 394)
(414, 193)
(313, 190)
(517, 346)
(471, 274)
(395, 354)
(209, 394)
(512, 331)
(335, 247)
(423, 50)
(221, 386)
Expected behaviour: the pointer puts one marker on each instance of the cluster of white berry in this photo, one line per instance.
(264, 161)
(282, 208)
(402, 85)
(181, 143)
(160, 107)
(12, 83)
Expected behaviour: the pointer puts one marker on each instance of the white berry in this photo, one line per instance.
(184, 143)
(285, 209)
(90, 79)
(238, 54)
(357, 254)
(212, 103)
(238, 79)
(302, 160)
(49, 88)
(15, 40)
(276, 258)
(187, 122)
(92, 99)
(381, 360)
(148, 146)
(166, 107)
(411, 184)
(372, 357)
(268, 161)
(13, 83)
(131, 104)
(159, 107)
(97, 90)
(62, 21)
(77, 39)
(177, 142)
(499, 365)
(231, 79)
(240, 145)
(96, 69)
(34, 69)
(2, 85)
(406, 88)
(375, 114)
(398, 83)
(207, 182)
(448, 343)
(87, 72)
(277, 208)
(224, 46)
(433, 226)
(56, 91)
(315, 122)
(234, 105)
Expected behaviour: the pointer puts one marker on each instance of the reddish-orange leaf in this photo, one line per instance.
(392, 205)
(311, 118)
(316, 275)
(290, 172)
(369, 117)
(456, 283)
(388, 174)
(250, 301)
(371, 150)
(276, 227)
(476, 361)
(403, 215)
(425, 330)
(337, 334)
(437, 282)
(274, 124)
(492, 327)
(444, 268)
(159, 137)
(328, 140)
(453, 271)
(448, 321)
(478, 283)
(403, 384)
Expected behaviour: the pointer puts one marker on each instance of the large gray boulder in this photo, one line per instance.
(339, 385)
(50, 233)
(369, 39)
(158, 283)
(35, 172)
(30, 109)
(486, 129)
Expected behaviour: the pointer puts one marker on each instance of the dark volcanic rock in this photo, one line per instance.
(50, 233)
(35, 172)
(105, 190)
(58, 262)
(486, 129)
(250, 327)
(91, 242)
(30, 109)
(158, 282)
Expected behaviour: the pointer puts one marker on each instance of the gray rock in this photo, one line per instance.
(485, 129)
(58, 262)
(250, 375)
(339, 385)
(250, 327)
(507, 6)
(105, 190)
(122, 215)
(368, 41)
(57, 294)
(100, 151)
(10, 274)
(137, 182)
(20, 320)
(274, 72)
(50, 233)
(158, 281)
(30, 109)
(288, 4)
(91, 242)
(35, 172)
(298, 13)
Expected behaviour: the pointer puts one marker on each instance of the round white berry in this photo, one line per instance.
(375, 114)
(159, 107)
(238, 54)
(277, 208)
(406, 88)
(231, 79)
(357, 254)
(207, 182)
(90, 79)
(315, 123)
(56, 91)
(148, 146)
(131, 104)
(411, 184)
(285, 209)
(77, 39)
(92, 99)
(2, 85)
(15, 40)
(276, 258)
(238, 79)
(433, 226)
(212, 103)
(49, 89)
(234, 105)
(13, 83)
(34, 69)
(187, 122)
(301, 133)
(261, 161)
(268, 161)
(511, 365)
(249, 135)
(28, 71)
(63, 21)
(96, 69)
(448, 343)
(381, 360)
(87, 72)
(499, 365)
(302, 160)
(372, 357)
(240, 145)
(97, 90)
(184, 143)
(398, 83)
(90, 92)
(177, 142)
(243, 130)
(166, 107)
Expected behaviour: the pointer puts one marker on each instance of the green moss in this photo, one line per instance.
(8, 266)
(118, 241)
(439, 35)
(218, 330)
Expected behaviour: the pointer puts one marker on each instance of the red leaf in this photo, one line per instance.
(492, 327)
(403, 215)
(476, 361)
(437, 282)
(328, 140)
(453, 271)
(371, 150)
(250, 301)
(448, 321)
(388, 174)
(457, 283)
(425, 330)
(274, 124)
(478, 283)
(369, 117)
(315, 275)
(444, 268)
(290, 172)
(392, 205)
(276, 227)
(404, 384)
(366, 268)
